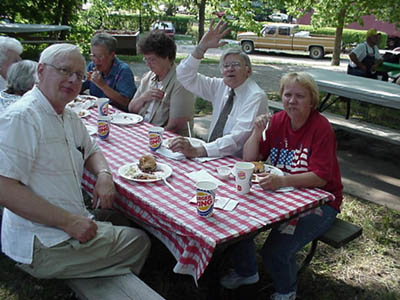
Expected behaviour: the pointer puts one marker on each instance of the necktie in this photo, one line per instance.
(219, 126)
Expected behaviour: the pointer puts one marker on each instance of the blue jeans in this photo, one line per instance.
(279, 250)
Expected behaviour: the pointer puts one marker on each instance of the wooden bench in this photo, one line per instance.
(340, 233)
(123, 287)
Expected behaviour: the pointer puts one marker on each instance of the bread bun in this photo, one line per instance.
(258, 166)
(147, 164)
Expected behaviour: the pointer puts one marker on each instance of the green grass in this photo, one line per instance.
(366, 269)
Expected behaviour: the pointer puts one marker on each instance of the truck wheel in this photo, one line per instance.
(316, 52)
(247, 47)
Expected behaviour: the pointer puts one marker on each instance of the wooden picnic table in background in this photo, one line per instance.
(349, 87)
(35, 33)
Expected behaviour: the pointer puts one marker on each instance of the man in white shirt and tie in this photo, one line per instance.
(236, 99)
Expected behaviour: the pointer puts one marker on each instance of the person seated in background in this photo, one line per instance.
(301, 142)
(236, 99)
(161, 99)
(365, 58)
(44, 148)
(21, 77)
(10, 51)
(108, 76)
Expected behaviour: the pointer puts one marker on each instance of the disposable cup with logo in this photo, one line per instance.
(103, 127)
(205, 197)
(102, 106)
(155, 137)
(243, 172)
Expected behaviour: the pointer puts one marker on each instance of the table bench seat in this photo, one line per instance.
(356, 126)
(340, 234)
(50, 42)
(123, 287)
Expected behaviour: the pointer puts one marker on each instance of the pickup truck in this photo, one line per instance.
(287, 37)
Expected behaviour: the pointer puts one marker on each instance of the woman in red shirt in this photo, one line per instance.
(300, 142)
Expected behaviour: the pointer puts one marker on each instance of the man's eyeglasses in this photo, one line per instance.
(99, 57)
(234, 65)
(67, 73)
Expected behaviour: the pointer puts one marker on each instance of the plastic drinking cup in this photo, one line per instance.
(155, 138)
(103, 127)
(205, 197)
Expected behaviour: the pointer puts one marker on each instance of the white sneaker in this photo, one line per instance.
(233, 280)
(288, 296)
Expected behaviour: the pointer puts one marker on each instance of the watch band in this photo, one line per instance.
(105, 171)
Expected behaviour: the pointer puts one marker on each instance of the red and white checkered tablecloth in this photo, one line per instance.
(168, 214)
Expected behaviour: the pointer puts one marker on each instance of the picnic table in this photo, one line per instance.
(167, 213)
(34, 33)
(392, 68)
(349, 87)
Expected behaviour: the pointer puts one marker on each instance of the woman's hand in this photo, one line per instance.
(270, 181)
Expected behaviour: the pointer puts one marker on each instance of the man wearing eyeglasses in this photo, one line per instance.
(108, 76)
(44, 148)
(236, 99)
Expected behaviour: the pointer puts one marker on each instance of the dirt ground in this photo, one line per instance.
(370, 167)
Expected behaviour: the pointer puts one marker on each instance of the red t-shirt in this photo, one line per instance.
(312, 148)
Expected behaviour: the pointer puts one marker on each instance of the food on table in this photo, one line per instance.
(134, 173)
(258, 166)
(147, 164)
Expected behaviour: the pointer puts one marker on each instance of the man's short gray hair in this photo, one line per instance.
(235, 51)
(21, 76)
(104, 39)
(8, 44)
(50, 54)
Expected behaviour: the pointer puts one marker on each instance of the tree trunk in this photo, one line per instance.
(202, 16)
(338, 39)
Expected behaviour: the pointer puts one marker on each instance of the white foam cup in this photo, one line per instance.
(243, 172)
(102, 106)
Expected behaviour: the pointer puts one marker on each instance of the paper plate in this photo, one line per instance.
(132, 172)
(83, 113)
(125, 119)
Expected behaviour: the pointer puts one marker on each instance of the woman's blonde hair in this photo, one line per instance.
(306, 81)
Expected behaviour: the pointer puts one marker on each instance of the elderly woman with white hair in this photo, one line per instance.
(21, 78)
(10, 51)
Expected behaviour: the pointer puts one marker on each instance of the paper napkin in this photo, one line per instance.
(221, 203)
(168, 153)
(208, 158)
(203, 175)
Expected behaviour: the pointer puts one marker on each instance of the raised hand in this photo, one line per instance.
(212, 39)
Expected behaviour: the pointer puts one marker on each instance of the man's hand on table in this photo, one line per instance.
(104, 191)
(181, 144)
